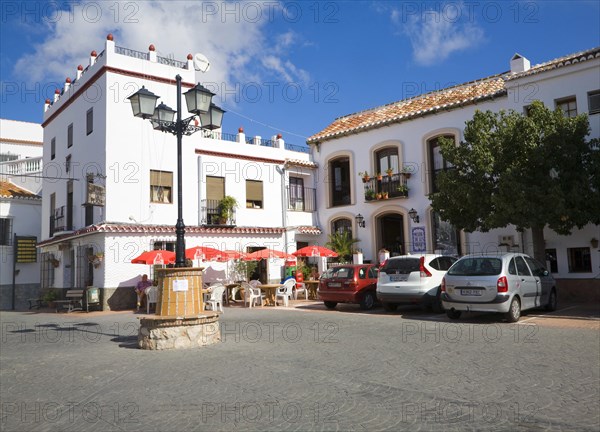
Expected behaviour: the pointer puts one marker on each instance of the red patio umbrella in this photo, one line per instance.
(158, 256)
(204, 253)
(315, 251)
(268, 254)
(228, 255)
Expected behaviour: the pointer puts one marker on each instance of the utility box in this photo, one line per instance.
(92, 297)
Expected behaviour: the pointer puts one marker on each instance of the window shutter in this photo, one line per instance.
(215, 188)
(254, 190)
(161, 178)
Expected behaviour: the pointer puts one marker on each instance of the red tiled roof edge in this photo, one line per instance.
(156, 229)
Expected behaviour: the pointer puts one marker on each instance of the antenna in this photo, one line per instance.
(201, 63)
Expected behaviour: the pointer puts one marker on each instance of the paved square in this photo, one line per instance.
(300, 369)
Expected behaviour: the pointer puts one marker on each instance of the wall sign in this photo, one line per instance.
(95, 195)
(25, 249)
(419, 244)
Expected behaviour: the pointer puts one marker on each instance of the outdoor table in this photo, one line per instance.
(230, 288)
(270, 290)
(312, 288)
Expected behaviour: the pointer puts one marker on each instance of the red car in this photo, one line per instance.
(349, 283)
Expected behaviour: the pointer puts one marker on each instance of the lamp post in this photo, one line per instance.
(199, 103)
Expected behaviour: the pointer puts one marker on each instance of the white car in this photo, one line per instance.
(503, 283)
(412, 279)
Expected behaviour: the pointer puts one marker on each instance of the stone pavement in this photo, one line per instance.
(301, 369)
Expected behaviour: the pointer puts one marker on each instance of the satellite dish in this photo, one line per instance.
(201, 63)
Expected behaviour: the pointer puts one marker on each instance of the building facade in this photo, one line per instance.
(117, 194)
(20, 212)
(402, 139)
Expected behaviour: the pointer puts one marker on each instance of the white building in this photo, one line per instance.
(403, 135)
(91, 136)
(20, 211)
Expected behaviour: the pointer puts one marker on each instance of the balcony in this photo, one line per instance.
(394, 186)
(21, 166)
(302, 199)
(211, 215)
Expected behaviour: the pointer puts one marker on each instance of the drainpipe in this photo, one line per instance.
(281, 170)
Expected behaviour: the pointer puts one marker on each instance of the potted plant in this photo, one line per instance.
(369, 194)
(379, 176)
(378, 195)
(226, 206)
(406, 172)
(389, 172)
(403, 189)
(49, 298)
(55, 263)
(365, 176)
(385, 195)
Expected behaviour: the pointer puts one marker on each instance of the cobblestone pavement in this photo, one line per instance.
(302, 369)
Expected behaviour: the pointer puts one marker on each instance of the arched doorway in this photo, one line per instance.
(390, 228)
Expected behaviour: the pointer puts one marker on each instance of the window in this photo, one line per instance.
(296, 194)
(594, 102)
(568, 106)
(70, 135)
(442, 263)
(254, 194)
(536, 268)
(215, 191)
(5, 231)
(68, 163)
(580, 260)
(386, 159)
(52, 148)
(89, 121)
(52, 211)
(437, 163)
(342, 225)
(47, 276)
(164, 245)
(339, 179)
(161, 186)
(551, 258)
(445, 237)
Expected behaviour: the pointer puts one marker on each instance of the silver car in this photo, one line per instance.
(503, 283)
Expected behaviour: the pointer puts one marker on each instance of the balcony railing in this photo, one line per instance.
(21, 166)
(211, 214)
(302, 199)
(58, 221)
(394, 186)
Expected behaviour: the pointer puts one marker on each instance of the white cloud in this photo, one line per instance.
(232, 37)
(435, 35)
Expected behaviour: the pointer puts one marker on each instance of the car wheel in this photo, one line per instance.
(367, 301)
(552, 301)
(330, 304)
(514, 312)
(390, 307)
(436, 303)
(453, 314)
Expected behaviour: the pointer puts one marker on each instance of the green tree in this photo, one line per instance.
(532, 171)
(343, 244)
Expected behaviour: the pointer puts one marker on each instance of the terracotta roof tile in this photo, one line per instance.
(159, 229)
(309, 230)
(10, 190)
(445, 99)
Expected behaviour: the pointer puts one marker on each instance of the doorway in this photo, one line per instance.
(391, 233)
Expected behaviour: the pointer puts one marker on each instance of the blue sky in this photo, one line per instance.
(291, 67)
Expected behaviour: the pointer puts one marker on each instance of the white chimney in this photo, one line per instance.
(56, 95)
(67, 85)
(518, 63)
(79, 71)
(93, 56)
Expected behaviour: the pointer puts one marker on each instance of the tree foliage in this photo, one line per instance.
(342, 243)
(531, 171)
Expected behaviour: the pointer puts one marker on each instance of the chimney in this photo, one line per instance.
(46, 105)
(67, 85)
(56, 95)
(518, 63)
(93, 56)
(79, 72)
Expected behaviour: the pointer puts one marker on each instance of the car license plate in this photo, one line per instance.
(399, 277)
(470, 292)
(334, 284)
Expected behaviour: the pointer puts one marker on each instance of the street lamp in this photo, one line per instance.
(360, 220)
(413, 215)
(198, 100)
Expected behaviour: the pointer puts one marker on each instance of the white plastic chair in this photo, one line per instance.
(215, 301)
(301, 288)
(286, 291)
(251, 294)
(151, 297)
